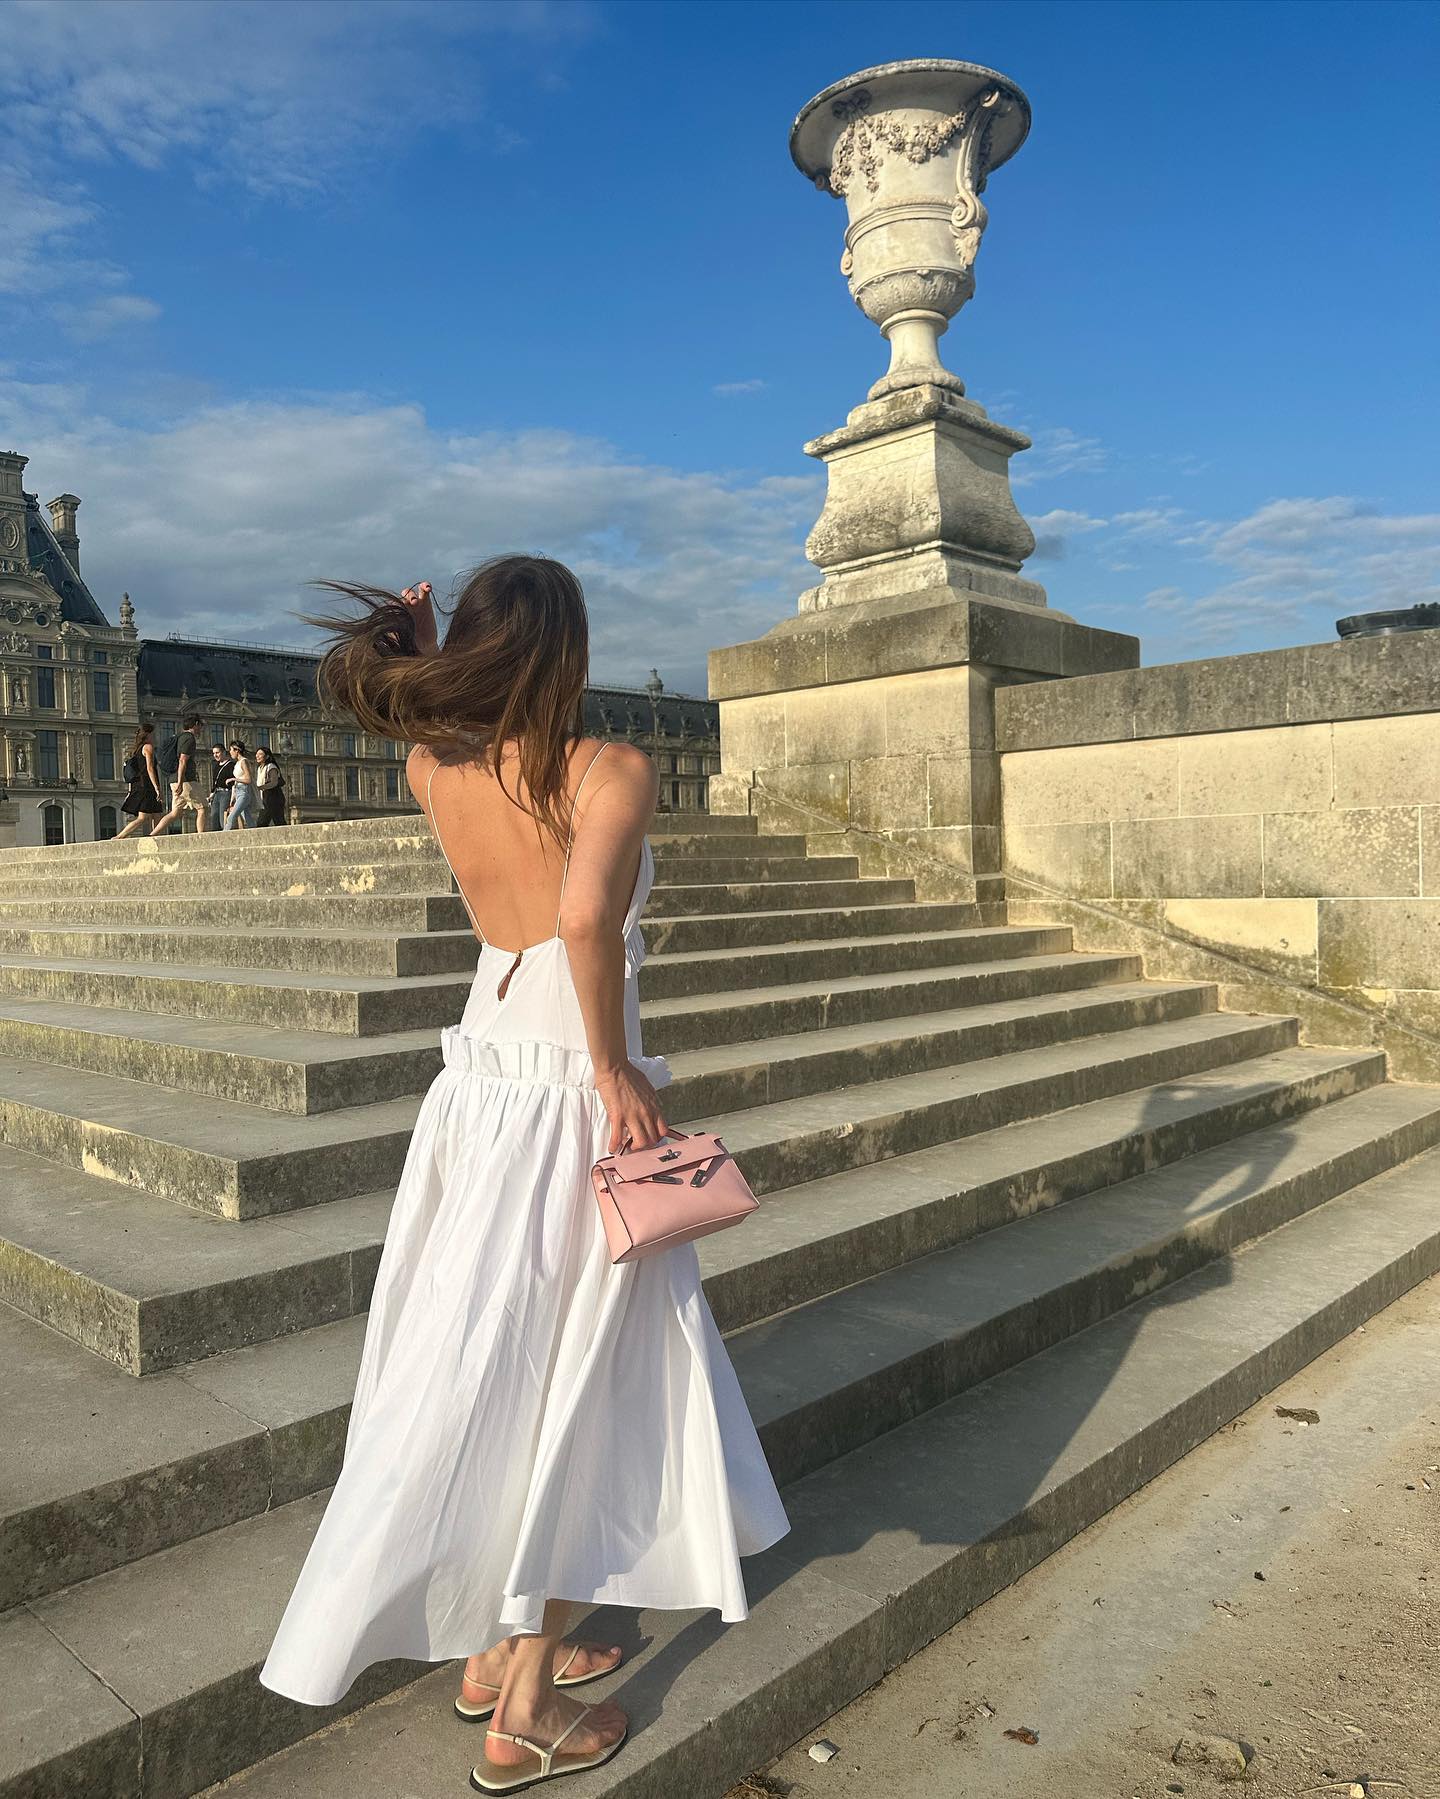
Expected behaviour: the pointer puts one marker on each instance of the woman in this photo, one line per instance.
(242, 790)
(142, 801)
(533, 1424)
(271, 785)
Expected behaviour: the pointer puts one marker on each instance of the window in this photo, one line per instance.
(392, 783)
(102, 658)
(675, 795)
(347, 744)
(307, 743)
(47, 760)
(54, 823)
(105, 826)
(352, 782)
(105, 757)
(45, 687)
(262, 737)
(390, 749)
(100, 680)
(168, 728)
(310, 780)
(45, 652)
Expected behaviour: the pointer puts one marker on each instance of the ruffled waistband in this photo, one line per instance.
(528, 1059)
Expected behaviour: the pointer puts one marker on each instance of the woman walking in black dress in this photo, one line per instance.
(142, 802)
(271, 784)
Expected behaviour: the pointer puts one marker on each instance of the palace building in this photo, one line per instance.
(75, 687)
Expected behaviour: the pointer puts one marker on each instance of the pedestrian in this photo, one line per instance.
(222, 778)
(142, 802)
(180, 764)
(241, 814)
(536, 1422)
(271, 784)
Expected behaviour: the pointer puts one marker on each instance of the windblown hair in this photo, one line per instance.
(511, 670)
(144, 732)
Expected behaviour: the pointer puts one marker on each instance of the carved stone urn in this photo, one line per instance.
(908, 147)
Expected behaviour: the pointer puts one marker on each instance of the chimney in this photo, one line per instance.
(12, 509)
(62, 522)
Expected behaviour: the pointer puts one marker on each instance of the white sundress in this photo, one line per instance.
(531, 1421)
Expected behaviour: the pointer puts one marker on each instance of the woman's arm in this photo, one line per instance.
(610, 827)
(147, 750)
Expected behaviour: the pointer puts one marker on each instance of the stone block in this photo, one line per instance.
(814, 792)
(830, 724)
(963, 790)
(1364, 851)
(783, 659)
(1087, 709)
(1099, 782)
(1068, 859)
(943, 710)
(1380, 943)
(729, 795)
(1430, 849)
(888, 793)
(752, 734)
(1165, 858)
(1275, 934)
(1281, 770)
(1388, 761)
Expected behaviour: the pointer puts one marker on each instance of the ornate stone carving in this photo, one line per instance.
(909, 147)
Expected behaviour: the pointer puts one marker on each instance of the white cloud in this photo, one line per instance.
(278, 102)
(215, 522)
(1054, 529)
(729, 389)
(1058, 451)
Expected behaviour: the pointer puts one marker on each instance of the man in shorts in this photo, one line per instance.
(185, 790)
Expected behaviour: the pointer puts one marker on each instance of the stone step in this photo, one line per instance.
(243, 914)
(153, 1664)
(726, 971)
(409, 865)
(239, 1162)
(149, 1285)
(366, 1006)
(364, 836)
(336, 951)
(689, 901)
(905, 1538)
(305, 1073)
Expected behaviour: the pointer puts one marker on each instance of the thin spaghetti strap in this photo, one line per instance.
(435, 828)
(570, 842)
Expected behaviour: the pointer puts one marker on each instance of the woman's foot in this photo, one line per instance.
(604, 1724)
(574, 1662)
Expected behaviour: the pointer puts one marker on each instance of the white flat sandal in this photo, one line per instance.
(476, 1714)
(488, 1778)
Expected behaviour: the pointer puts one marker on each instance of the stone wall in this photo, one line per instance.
(1269, 821)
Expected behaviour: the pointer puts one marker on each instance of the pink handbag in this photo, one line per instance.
(680, 1188)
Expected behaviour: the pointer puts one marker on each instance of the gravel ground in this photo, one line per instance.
(1279, 1590)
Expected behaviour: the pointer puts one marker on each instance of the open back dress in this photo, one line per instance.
(531, 1421)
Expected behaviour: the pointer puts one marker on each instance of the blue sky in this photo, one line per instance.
(376, 290)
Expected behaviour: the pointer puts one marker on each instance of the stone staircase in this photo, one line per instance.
(1033, 1227)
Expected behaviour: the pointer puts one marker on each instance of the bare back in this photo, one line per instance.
(510, 873)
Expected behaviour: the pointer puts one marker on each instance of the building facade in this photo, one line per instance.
(75, 687)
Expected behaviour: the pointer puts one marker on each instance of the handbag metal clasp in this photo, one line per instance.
(669, 1155)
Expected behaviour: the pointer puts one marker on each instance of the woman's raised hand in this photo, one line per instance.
(421, 600)
(633, 1106)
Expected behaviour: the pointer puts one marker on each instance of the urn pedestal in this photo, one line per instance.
(867, 720)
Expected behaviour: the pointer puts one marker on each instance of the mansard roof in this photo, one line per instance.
(49, 562)
(203, 671)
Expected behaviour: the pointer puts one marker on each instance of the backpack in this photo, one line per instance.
(130, 769)
(168, 758)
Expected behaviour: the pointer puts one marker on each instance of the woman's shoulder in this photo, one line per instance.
(619, 761)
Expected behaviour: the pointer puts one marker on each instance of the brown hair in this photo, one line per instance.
(144, 731)
(512, 669)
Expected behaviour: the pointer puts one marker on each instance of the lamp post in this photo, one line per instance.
(654, 687)
(72, 782)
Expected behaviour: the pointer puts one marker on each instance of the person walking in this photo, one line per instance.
(179, 760)
(270, 784)
(534, 1425)
(222, 777)
(241, 812)
(142, 800)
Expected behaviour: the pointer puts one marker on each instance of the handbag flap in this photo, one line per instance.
(665, 1157)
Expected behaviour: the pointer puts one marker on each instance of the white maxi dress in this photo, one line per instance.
(531, 1421)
